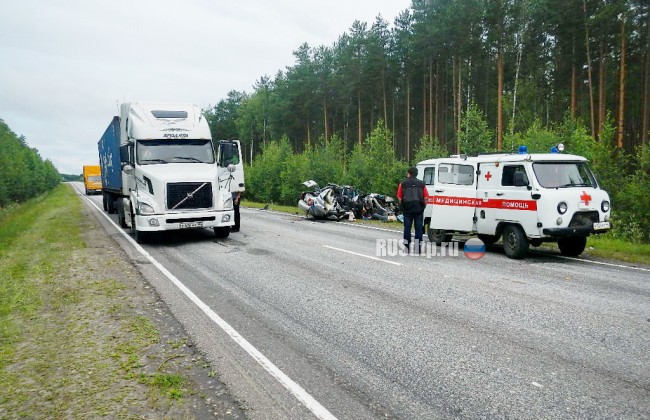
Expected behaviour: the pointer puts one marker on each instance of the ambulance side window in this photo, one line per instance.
(508, 178)
(444, 174)
(451, 173)
(429, 175)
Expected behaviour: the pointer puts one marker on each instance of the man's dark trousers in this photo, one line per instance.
(409, 220)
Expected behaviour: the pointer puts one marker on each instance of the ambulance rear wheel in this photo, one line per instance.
(515, 243)
(572, 246)
(438, 236)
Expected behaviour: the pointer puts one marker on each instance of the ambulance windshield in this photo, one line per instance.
(564, 174)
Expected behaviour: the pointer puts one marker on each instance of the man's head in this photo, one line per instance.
(412, 172)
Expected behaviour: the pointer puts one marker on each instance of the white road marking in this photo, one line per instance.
(600, 262)
(362, 255)
(296, 390)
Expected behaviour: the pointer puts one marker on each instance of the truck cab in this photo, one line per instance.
(92, 179)
(168, 174)
(524, 199)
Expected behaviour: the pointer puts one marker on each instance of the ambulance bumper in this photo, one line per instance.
(596, 228)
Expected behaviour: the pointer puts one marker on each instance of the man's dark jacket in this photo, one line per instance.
(412, 196)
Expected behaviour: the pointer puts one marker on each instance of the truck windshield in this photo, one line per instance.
(152, 152)
(564, 174)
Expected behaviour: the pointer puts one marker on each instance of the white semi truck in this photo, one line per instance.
(161, 170)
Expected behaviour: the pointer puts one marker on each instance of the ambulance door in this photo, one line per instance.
(454, 198)
(426, 173)
(512, 200)
(489, 188)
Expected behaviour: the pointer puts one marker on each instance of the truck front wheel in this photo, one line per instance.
(572, 246)
(139, 236)
(222, 232)
(515, 243)
(121, 218)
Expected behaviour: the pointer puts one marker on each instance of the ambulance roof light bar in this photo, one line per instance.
(523, 150)
(558, 148)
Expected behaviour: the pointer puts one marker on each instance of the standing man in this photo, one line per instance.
(412, 194)
(235, 203)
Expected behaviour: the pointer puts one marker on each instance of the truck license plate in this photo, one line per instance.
(601, 225)
(191, 225)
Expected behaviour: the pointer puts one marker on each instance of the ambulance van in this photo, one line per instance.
(524, 199)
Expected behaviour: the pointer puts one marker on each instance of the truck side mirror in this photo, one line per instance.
(520, 180)
(125, 156)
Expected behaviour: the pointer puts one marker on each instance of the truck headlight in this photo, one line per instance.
(227, 205)
(604, 206)
(562, 207)
(145, 208)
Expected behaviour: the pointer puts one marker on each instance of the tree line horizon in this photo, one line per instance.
(519, 63)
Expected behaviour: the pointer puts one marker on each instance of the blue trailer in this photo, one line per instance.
(109, 160)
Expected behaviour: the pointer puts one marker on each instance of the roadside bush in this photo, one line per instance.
(264, 174)
(295, 171)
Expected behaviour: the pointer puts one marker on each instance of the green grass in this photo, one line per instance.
(27, 254)
(70, 344)
(617, 249)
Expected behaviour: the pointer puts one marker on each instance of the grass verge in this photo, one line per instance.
(76, 337)
(616, 249)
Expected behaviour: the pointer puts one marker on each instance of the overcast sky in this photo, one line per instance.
(66, 64)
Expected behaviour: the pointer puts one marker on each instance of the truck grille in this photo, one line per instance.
(189, 195)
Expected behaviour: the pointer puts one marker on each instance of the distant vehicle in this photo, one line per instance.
(92, 179)
(160, 171)
(524, 199)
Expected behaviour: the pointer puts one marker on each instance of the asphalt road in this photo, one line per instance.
(353, 335)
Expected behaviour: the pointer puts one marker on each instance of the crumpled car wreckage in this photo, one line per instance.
(334, 202)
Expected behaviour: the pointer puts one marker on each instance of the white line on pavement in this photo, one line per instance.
(362, 255)
(598, 262)
(296, 390)
(537, 252)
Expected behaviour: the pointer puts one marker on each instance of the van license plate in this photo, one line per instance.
(601, 225)
(191, 225)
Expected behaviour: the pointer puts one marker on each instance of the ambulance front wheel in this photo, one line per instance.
(438, 236)
(572, 246)
(515, 243)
